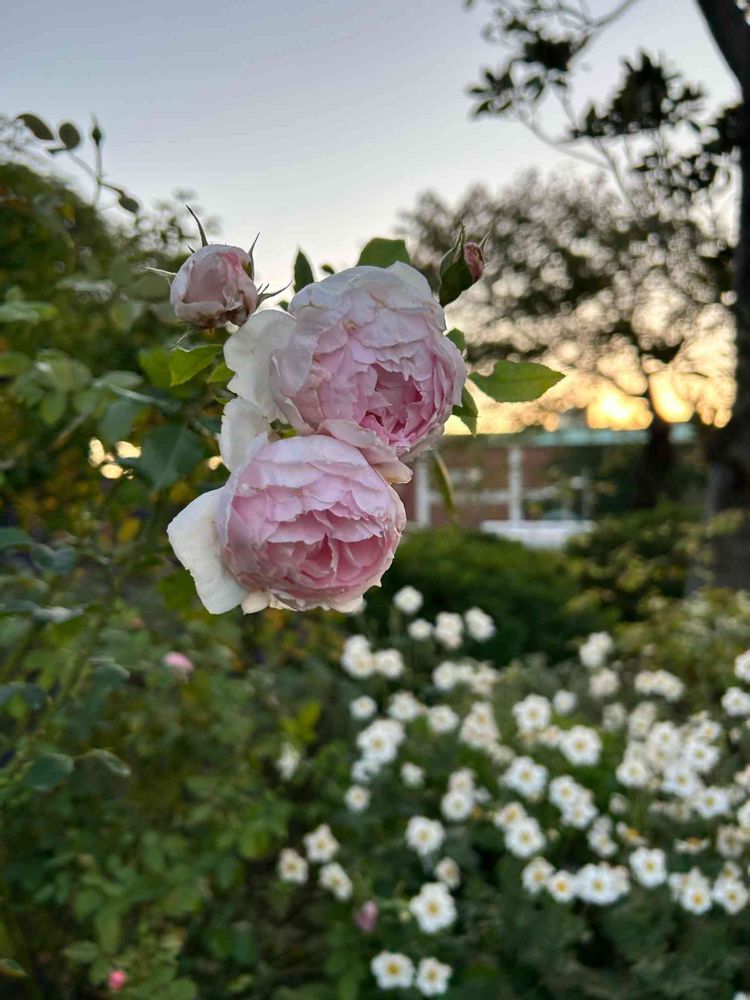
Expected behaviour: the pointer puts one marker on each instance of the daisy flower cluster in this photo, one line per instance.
(595, 782)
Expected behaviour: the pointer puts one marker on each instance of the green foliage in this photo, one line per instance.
(381, 252)
(533, 596)
(630, 558)
(516, 382)
(303, 273)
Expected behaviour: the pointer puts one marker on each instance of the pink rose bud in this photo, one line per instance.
(367, 362)
(366, 916)
(474, 258)
(303, 522)
(178, 662)
(117, 979)
(213, 287)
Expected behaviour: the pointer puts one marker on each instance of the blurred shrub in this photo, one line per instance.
(533, 596)
(642, 554)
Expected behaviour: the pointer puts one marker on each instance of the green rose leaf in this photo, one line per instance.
(48, 771)
(37, 127)
(70, 137)
(111, 761)
(13, 363)
(169, 453)
(303, 274)
(467, 411)
(380, 252)
(129, 204)
(457, 337)
(517, 381)
(26, 312)
(15, 538)
(155, 363)
(10, 968)
(184, 365)
(118, 419)
(220, 374)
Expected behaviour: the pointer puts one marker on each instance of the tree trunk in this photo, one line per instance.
(729, 449)
(655, 463)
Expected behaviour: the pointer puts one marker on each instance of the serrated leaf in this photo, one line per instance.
(303, 273)
(37, 127)
(443, 483)
(169, 453)
(467, 411)
(70, 137)
(517, 381)
(184, 365)
(220, 374)
(381, 252)
(48, 771)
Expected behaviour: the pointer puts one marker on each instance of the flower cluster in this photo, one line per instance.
(333, 397)
(592, 793)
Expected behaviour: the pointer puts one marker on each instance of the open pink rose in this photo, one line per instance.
(302, 522)
(213, 287)
(367, 362)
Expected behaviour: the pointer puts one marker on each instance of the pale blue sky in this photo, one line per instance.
(311, 122)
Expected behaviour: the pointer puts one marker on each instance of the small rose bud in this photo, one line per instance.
(474, 260)
(366, 916)
(213, 287)
(117, 979)
(179, 663)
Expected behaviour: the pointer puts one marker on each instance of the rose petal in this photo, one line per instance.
(194, 538)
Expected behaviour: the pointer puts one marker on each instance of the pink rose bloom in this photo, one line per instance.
(367, 362)
(178, 662)
(303, 522)
(366, 916)
(117, 979)
(213, 287)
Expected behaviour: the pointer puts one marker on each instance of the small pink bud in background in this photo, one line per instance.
(367, 916)
(178, 662)
(213, 287)
(474, 258)
(117, 979)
